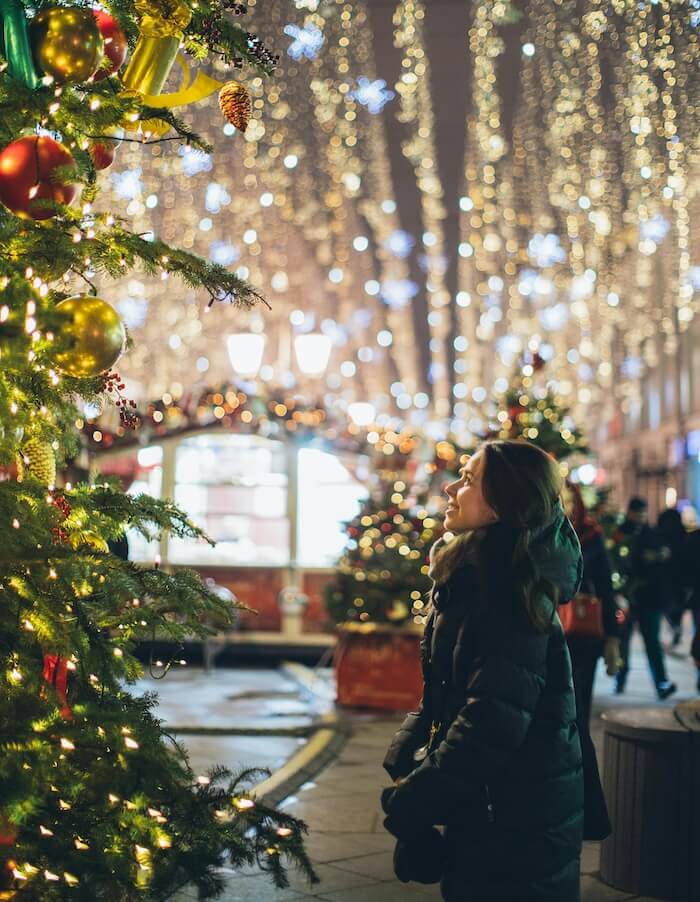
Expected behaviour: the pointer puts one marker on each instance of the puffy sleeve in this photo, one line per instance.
(507, 675)
(414, 731)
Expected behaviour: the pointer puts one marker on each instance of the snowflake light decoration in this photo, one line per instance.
(128, 184)
(223, 252)
(396, 293)
(400, 243)
(133, 311)
(307, 41)
(194, 161)
(216, 197)
(546, 250)
(372, 94)
(654, 229)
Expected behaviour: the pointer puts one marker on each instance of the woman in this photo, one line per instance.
(585, 651)
(493, 753)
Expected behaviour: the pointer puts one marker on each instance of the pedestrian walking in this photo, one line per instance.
(640, 555)
(592, 628)
(692, 580)
(674, 537)
(493, 752)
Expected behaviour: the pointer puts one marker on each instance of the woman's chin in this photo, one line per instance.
(449, 521)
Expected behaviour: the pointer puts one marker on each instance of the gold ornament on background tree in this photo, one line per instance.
(235, 104)
(66, 43)
(37, 459)
(398, 611)
(95, 336)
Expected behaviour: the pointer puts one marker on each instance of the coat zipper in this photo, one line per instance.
(423, 752)
(434, 730)
(489, 805)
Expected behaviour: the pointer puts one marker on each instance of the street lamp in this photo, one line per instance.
(245, 350)
(313, 351)
(362, 413)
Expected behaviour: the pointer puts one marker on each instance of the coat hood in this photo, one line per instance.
(556, 550)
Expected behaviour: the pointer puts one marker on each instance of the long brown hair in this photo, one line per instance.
(521, 483)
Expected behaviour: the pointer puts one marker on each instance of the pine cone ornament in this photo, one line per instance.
(235, 104)
(37, 459)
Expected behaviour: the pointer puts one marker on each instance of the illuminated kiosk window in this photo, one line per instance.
(147, 480)
(330, 492)
(235, 488)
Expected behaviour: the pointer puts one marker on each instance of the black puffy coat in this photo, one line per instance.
(503, 771)
(643, 569)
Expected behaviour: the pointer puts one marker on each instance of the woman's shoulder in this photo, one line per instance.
(508, 626)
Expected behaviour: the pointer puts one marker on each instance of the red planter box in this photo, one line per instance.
(379, 669)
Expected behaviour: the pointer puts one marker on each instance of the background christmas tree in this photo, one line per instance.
(96, 800)
(531, 409)
(382, 578)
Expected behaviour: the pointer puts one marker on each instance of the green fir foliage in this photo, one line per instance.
(97, 801)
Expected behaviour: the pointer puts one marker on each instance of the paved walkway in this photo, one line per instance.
(351, 851)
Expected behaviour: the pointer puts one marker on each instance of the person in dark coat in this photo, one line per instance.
(673, 535)
(641, 554)
(586, 650)
(692, 580)
(493, 752)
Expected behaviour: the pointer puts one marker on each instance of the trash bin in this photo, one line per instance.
(651, 777)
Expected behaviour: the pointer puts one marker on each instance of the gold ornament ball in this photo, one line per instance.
(66, 43)
(95, 334)
(235, 104)
(38, 460)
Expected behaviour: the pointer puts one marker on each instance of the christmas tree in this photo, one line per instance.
(96, 800)
(532, 409)
(382, 577)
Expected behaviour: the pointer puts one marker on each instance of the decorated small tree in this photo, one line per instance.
(96, 799)
(382, 577)
(531, 409)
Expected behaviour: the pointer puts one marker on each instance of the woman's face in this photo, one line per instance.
(467, 509)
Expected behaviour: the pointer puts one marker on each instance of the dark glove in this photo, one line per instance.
(422, 859)
(427, 797)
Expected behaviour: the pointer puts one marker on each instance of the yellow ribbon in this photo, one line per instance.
(192, 90)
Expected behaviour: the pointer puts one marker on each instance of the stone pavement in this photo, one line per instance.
(351, 851)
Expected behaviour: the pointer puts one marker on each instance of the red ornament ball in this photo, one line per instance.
(102, 153)
(28, 175)
(115, 42)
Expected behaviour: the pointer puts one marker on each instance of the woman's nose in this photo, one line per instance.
(449, 489)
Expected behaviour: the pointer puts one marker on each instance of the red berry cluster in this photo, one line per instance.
(113, 385)
(58, 532)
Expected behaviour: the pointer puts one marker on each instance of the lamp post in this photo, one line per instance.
(313, 350)
(362, 413)
(245, 350)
